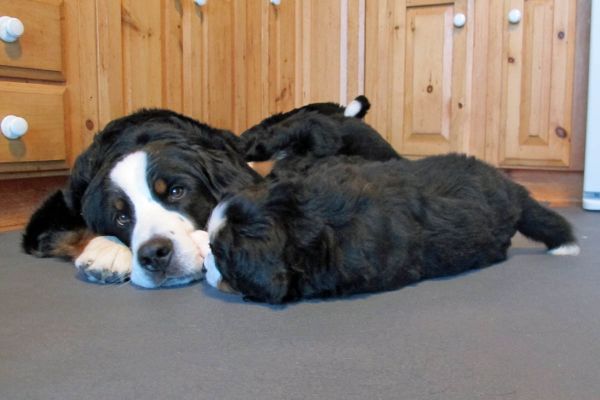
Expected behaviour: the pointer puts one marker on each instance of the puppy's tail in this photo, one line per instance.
(358, 107)
(546, 226)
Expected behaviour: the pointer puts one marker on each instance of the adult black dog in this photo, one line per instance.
(347, 228)
(148, 181)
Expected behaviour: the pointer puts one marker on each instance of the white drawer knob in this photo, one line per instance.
(14, 127)
(276, 2)
(200, 2)
(11, 29)
(514, 16)
(459, 20)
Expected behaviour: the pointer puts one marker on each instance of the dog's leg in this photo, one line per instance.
(105, 259)
(547, 226)
(55, 230)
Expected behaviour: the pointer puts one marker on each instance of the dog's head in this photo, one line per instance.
(153, 184)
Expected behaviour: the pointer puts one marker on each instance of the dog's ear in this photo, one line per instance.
(222, 172)
(81, 176)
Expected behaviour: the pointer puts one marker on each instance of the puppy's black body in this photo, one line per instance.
(377, 226)
(299, 138)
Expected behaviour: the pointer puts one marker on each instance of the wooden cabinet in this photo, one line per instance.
(418, 70)
(498, 89)
(39, 82)
(510, 93)
(38, 54)
(532, 58)
(229, 63)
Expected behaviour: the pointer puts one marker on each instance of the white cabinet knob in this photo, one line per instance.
(276, 2)
(200, 2)
(14, 127)
(459, 20)
(11, 29)
(514, 16)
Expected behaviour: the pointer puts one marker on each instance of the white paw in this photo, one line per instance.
(105, 259)
(570, 249)
(213, 276)
(201, 240)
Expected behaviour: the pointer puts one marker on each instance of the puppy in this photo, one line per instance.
(378, 226)
(295, 140)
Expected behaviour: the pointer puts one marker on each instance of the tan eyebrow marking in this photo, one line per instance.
(119, 204)
(160, 186)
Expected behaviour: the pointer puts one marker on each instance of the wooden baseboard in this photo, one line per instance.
(20, 197)
(554, 188)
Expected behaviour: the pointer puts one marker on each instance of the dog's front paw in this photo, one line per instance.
(105, 259)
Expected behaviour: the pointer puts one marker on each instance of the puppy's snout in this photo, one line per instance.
(155, 254)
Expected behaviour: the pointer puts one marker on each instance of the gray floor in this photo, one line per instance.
(525, 329)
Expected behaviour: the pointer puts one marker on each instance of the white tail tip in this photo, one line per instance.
(570, 249)
(353, 109)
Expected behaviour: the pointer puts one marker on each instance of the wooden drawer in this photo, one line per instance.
(38, 53)
(43, 108)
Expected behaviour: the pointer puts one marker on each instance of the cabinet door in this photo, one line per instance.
(533, 61)
(418, 65)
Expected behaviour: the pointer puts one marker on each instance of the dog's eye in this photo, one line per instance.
(176, 193)
(123, 219)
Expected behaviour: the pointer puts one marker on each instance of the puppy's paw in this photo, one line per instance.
(569, 249)
(105, 259)
(213, 276)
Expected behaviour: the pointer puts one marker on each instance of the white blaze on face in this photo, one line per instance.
(153, 220)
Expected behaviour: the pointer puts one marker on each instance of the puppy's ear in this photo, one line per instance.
(247, 217)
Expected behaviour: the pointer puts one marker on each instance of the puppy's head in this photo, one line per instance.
(248, 239)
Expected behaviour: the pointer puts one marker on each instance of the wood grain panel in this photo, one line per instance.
(281, 58)
(110, 62)
(43, 108)
(537, 84)
(172, 55)
(40, 47)
(142, 54)
(431, 79)
(384, 66)
(20, 197)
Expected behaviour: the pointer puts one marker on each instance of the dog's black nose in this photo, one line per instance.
(155, 254)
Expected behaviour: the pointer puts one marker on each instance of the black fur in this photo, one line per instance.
(47, 227)
(298, 138)
(377, 226)
(207, 159)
